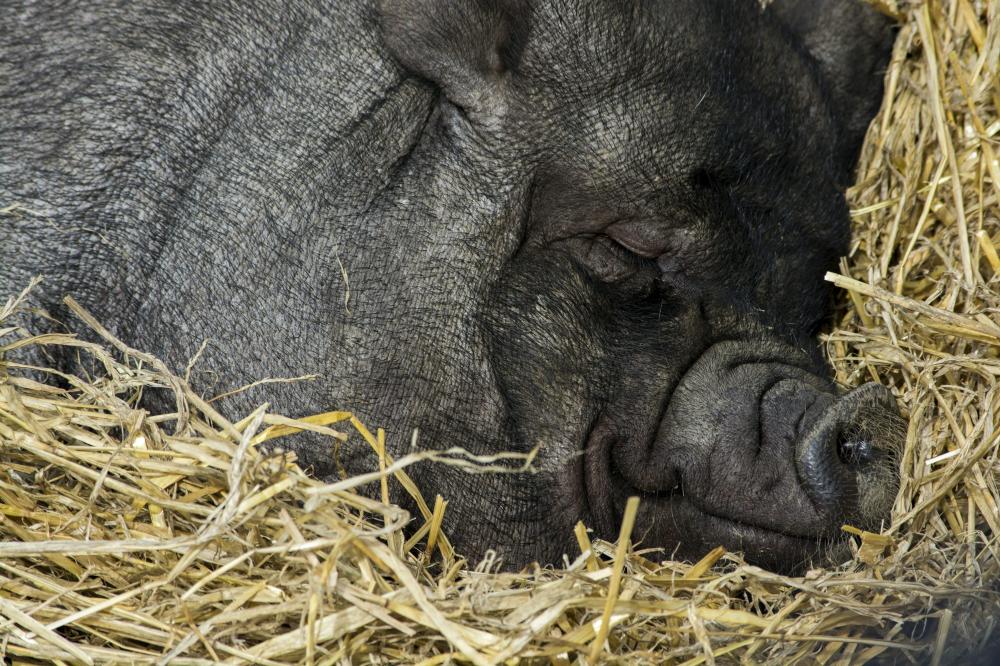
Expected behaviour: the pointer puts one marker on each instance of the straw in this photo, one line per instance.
(127, 537)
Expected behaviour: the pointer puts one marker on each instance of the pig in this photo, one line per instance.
(594, 229)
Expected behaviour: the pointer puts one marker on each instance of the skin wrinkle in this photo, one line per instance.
(238, 99)
(797, 433)
(664, 403)
(588, 512)
(466, 165)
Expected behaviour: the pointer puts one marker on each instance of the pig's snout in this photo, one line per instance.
(757, 451)
(846, 459)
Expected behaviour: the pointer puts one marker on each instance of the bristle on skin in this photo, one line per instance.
(130, 538)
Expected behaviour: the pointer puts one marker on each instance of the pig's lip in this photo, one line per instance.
(670, 500)
(763, 546)
(666, 516)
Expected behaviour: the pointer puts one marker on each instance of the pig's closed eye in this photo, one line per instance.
(642, 239)
(610, 261)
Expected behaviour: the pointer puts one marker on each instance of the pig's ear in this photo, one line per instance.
(850, 43)
(467, 47)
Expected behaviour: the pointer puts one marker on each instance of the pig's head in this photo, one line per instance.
(665, 193)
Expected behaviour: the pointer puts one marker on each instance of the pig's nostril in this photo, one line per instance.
(830, 457)
(854, 449)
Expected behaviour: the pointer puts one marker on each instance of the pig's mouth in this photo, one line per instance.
(685, 528)
(759, 456)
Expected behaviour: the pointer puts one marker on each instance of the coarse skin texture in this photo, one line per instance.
(597, 228)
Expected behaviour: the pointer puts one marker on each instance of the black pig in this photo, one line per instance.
(595, 226)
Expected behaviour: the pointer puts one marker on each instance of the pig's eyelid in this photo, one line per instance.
(632, 249)
(638, 258)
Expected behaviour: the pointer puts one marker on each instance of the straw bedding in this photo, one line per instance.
(132, 538)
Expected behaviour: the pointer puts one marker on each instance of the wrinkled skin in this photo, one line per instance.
(595, 227)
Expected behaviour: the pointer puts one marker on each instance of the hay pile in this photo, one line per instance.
(139, 539)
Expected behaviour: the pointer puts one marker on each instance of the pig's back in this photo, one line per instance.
(157, 156)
